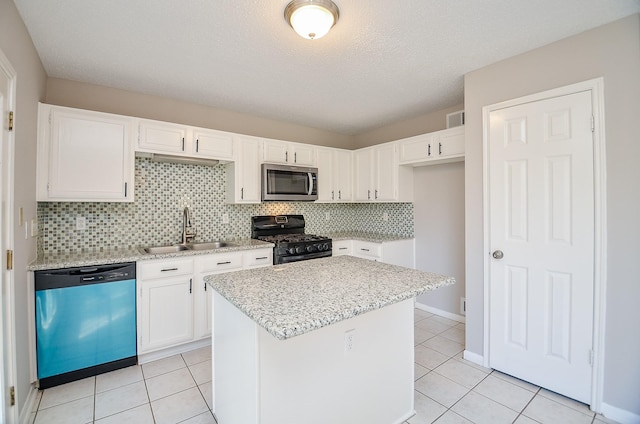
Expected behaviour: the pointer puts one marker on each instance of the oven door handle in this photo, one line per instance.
(310, 176)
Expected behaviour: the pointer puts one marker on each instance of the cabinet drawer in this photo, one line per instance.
(367, 249)
(258, 258)
(340, 248)
(164, 268)
(221, 262)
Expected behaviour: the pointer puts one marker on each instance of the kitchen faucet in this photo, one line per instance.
(188, 232)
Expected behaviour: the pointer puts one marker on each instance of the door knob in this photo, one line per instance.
(497, 254)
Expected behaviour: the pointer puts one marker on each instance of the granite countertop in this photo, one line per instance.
(59, 260)
(296, 298)
(364, 236)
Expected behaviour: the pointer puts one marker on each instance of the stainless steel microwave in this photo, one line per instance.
(289, 183)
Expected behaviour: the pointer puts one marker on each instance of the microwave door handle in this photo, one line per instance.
(310, 176)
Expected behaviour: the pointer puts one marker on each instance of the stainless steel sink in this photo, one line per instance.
(182, 247)
(164, 249)
(210, 245)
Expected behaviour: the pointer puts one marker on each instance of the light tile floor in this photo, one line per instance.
(448, 390)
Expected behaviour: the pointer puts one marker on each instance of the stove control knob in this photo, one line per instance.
(299, 249)
(311, 248)
(325, 246)
(291, 251)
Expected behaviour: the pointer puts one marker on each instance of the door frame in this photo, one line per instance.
(596, 86)
(8, 369)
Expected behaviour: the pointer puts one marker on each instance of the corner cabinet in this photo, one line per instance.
(84, 156)
(436, 147)
(243, 174)
(378, 176)
(334, 175)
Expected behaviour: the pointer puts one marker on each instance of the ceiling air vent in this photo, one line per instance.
(455, 119)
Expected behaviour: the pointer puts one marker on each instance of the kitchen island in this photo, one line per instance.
(321, 341)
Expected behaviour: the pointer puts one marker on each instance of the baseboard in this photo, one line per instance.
(440, 312)
(175, 350)
(29, 405)
(620, 415)
(473, 357)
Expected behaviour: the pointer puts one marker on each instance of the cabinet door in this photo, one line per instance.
(166, 312)
(342, 175)
(415, 148)
(161, 137)
(326, 172)
(212, 144)
(451, 143)
(367, 250)
(302, 154)
(362, 175)
(243, 175)
(276, 151)
(257, 258)
(386, 167)
(84, 156)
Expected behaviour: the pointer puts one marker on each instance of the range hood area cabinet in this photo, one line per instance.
(432, 148)
(378, 177)
(334, 175)
(288, 153)
(182, 140)
(84, 156)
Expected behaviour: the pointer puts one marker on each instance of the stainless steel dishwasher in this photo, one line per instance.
(85, 322)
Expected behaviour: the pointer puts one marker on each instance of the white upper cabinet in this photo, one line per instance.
(243, 175)
(377, 176)
(334, 174)
(437, 147)
(84, 156)
(181, 140)
(288, 153)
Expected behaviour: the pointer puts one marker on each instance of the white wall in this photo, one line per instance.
(16, 44)
(438, 211)
(613, 52)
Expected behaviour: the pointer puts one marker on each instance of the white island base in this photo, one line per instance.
(313, 378)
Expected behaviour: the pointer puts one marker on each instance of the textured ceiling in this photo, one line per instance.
(383, 62)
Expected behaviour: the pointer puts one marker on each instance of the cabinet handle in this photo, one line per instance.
(429, 149)
(295, 157)
(224, 263)
(339, 194)
(242, 193)
(286, 156)
(168, 269)
(332, 195)
(197, 145)
(342, 248)
(439, 148)
(376, 194)
(125, 189)
(362, 248)
(183, 144)
(205, 286)
(262, 257)
(190, 284)
(368, 194)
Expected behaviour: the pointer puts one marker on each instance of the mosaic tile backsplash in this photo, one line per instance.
(162, 191)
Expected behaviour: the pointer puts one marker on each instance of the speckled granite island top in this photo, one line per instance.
(296, 298)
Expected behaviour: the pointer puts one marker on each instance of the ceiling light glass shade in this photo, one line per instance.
(312, 19)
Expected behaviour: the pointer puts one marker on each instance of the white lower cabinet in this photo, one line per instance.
(165, 303)
(395, 252)
(175, 304)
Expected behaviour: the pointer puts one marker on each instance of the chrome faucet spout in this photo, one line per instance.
(188, 231)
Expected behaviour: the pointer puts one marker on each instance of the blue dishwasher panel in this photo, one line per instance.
(84, 326)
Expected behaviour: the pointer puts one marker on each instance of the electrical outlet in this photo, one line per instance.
(225, 218)
(34, 227)
(349, 341)
(463, 306)
(385, 216)
(81, 223)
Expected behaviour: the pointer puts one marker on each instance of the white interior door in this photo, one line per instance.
(7, 352)
(541, 218)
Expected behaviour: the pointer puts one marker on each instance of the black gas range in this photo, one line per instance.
(287, 233)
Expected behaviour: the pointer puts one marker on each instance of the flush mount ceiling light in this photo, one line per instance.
(311, 19)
